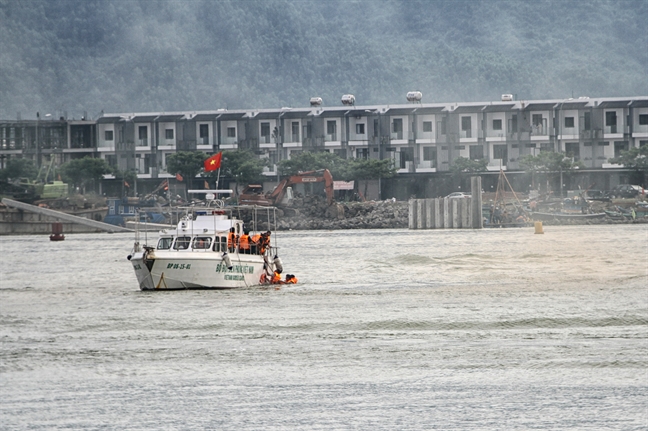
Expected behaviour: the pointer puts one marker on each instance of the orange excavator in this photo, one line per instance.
(253, 194)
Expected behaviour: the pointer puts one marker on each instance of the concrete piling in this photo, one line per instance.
(445, 213)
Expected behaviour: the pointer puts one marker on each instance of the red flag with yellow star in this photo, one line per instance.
(214, 162)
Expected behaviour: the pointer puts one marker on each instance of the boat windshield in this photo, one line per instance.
(164, 243)
(182, 243)
(201, 243)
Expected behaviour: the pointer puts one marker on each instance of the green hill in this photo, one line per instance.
(125, 56)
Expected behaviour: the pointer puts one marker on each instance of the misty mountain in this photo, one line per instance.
(124, 56)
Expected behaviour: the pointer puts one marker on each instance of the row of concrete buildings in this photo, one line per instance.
(422, 139)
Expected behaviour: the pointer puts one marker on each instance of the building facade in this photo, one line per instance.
(421, 139)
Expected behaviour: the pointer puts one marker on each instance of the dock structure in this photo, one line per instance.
(64, 216)
(448, 213)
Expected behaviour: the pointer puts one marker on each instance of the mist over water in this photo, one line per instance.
(387, 329)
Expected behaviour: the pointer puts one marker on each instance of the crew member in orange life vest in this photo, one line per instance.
(276, 278)
(290, 279)
(256, 243)
(264, 242)
(244, 242)
(231, 240)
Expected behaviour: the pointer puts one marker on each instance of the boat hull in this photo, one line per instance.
(196, 270)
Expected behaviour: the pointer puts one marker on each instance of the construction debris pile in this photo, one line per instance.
(313, 212)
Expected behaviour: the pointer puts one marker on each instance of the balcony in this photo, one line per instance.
(143, 142)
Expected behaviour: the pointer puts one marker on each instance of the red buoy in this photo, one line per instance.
(57, 232)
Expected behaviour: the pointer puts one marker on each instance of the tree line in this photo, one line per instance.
(243, 167)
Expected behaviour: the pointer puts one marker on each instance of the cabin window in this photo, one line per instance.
(201, 243)
(220, 244)
(164, 243)
(182, 243)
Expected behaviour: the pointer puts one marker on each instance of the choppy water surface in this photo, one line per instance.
(388, 329)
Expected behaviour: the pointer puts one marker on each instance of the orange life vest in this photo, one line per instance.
(244, 242)
(231, 240)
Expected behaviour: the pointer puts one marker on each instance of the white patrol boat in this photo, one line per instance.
(200, 253)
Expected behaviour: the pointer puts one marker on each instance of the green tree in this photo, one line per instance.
(18, 168)
(186, 163)
(371, 169)
(308, 161)
(463, 165)
(549, 163)
(84, 172)
(241, 166)
(635, 158)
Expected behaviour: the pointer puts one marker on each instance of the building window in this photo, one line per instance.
(168, 133)
(342, 152)
(295, 131)
(430, 153)
(109, 135)
(587, 120)
(569, 122)
(231, 132)
(265, 133)
(204, 134)
(143, 136)
(477, 152)
(643, 119)
(265, 129)
(573, 150)
(363, 153)
(360, 129)
(514, 125)
(610, 118)
(499, 152)
(497, 124)
(465, 123)
(619, 147)
(427, 126)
